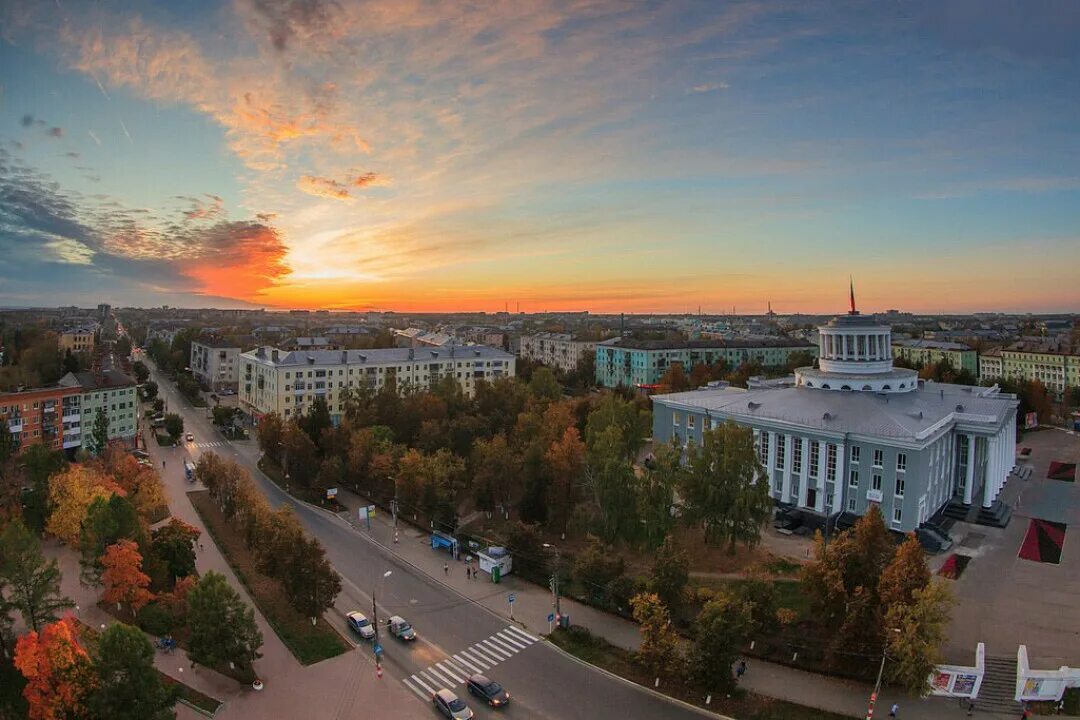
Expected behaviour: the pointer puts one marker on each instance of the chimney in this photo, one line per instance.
(363, 358)
(434, 353)
(310, 359)
(411, 354)
(274, 355)
(344, 356)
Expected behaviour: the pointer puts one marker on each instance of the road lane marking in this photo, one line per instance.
(501, 644)
(464, 664)
(512, 641)
(431, 677)
(488, 655)
(521, 633)
(424, 685)
(451, 673)
(419, 693)
(463, 655)
(499, 652)
(446, 682)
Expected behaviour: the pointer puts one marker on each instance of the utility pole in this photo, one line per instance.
(881, 671)
(555, 580)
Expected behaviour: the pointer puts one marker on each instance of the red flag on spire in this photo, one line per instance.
(852, 282)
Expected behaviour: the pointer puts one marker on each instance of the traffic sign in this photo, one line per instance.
(378, 649)
(511, 598)
(551, 617)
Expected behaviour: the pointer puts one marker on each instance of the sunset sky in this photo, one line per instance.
(609, 156)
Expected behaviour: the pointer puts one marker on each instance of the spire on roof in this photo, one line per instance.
(853, 311)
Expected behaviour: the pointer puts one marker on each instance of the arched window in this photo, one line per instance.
(826, 387)
(809, 384)
(902, 386)
(845, 387)
(886, 387)
(865, 387)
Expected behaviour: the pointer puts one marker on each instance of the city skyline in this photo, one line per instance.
(565, 156)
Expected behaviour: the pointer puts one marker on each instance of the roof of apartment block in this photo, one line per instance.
(216, 342)
(906, 416)
(377, 356)
(931, 344)
(97, 381)
(734, 344)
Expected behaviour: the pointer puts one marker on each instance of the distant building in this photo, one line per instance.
(80, 340)
(110, 391)
(287, 383)
(558, 350)
(930, 352)
(990, 367)
(418, 338)
(49, 416)
(637, 363)
(309, 343)
(1053, 365)
(216, 363)
(858, 433)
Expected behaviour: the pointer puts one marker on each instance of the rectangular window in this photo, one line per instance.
(690, 421)
(830, 462)
(879, 458)
(853, 479)
(901, 462)
(676, 419)
(763, 448)
(828, 502)
(781, 451)
(778, 485)
(899, 486)
(815, 454)
(796, 456)
(875, 482)
(851, 504)
(897, 515)
(855, 453)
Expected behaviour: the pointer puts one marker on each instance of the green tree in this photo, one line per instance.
(724, 489)
(310, 581)
(316, 421)
(299, 455)
(659, 652)
(222, 627)
(271, 433)
(28, 582)
(914, 652)
(174, 426)
(141, 372)
(108, 520)
(71, 362)
(759, 594)
(596, 566)
(527, 546)
(223, 415)
(149, 390)
(631, 423)
(174, 544)
(798, 359)
(38, 464)
(128, 686)
(670, 573)
(99, 434)
(720, 631)
(656, 496)
(544, 385)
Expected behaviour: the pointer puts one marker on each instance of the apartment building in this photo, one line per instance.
(287, 383)
(930, 352)
(110, 391)
(1057, 368)
(637, 363)
(47, 416)
(80, 340)
(215, 363)
(558, 350)
(990, 367)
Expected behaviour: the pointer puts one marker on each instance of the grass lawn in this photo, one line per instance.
(309, 644)
(741, 705)
(314, 496)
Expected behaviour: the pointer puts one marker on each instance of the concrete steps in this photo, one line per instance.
(999, 687)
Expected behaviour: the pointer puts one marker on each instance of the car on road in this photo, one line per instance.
(145, 462)
(401, 629)
(190, 437)
(360, 625)
(451, 705)
(488, 690)
(140, 454)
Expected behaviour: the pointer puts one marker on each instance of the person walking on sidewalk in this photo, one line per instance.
(741, 670)
(468, 572)
(894, 711)
(446, 569)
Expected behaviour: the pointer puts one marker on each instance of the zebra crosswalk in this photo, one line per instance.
(216, 443)
(480, 657)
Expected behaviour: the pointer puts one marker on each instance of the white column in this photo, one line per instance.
(841, 479)
(823, 448)
(988, 484)
(804, 474)
(969, 477)
(785, 490)
(770, 458)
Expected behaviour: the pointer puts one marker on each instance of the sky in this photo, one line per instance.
(637, 156)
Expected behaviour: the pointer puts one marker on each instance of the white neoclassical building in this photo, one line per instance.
(855, 432)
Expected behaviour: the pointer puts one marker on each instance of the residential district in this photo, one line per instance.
(261, 514)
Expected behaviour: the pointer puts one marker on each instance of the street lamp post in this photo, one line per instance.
(881, 671)
(555, 580)
(375, 624)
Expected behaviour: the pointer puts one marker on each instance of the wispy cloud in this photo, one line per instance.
(707, 88)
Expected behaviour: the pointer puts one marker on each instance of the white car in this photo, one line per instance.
(451, 705)
(359, 624)
(190, 437)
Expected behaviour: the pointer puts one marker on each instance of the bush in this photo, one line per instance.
(156, 620)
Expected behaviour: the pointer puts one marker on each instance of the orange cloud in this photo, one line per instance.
(323, 187)
(238, 260)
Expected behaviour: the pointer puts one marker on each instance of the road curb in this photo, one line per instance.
(625, 681)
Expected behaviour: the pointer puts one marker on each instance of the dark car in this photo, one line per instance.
(490, 691)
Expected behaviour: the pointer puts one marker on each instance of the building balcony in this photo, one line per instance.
(72, 441)
(15, 425)
(75, 416)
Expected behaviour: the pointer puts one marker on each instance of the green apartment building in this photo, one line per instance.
(641, 363)
(1058, 370)
(929, 352)
(111, 391)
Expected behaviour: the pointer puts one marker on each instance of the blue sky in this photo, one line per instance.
(579, 155)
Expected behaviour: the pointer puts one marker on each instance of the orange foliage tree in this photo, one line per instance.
(58, 670)
(141, 483)
(70, 495)
(123, 578)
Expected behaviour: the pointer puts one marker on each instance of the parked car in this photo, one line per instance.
(360, 625)
(451, 705)
(140, 454)
(490, 691)
(401, 629)
(190, 437)
(145, 462)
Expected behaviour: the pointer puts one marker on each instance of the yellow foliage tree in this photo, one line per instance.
(142, 484)
(70, 495)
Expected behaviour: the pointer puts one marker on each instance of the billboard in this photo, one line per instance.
(1031, 420)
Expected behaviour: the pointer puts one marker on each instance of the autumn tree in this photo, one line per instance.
(174, 544)
(722, 628)
(123, 578)
(29, 583)
(270, 433)
(108, 520)
(59, 672)
(724, 489)
(915, 651)
(222, 627)
(70, 495)
(906, 573)
(675, 379)
(760, 596)
(142, 484)
(670, 573)
(299, 455)
(566, 464)
(310, 581)
(544, 386)
(659, 651)
(128, 685)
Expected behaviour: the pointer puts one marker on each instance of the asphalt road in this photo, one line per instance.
(455, 635)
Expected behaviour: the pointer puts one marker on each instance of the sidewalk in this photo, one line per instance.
(533, 604)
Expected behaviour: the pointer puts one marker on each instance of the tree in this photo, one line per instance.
(71, 362)
(141, 372)
(566, 464)
(174, 543)
(38, 463)
(720, 631)
(223, 415)
(632, 424)
(544, 386)
(596, 567)
(271, 433)
(149, 390)
(914, 652)
(316, 421)
(123, 578)
(108, 520)
(674, 379)
(759, 594)
(801, 358)
(724, 488)
(222, 627)
(70, 494)
(656, 496)
(527, 546)
(143, 485)
(58, 671)
(659, 651)
(300, 455)
(99, 434)
(129, 687)
(613, 486)
(28, 583)
(310, 581)
(670, 573)
(905, 574)
(174, 426)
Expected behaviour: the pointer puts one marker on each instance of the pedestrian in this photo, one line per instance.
(894, 710)
(741, 670)
(445, 569)
(468, 572)
(162, 464)
(971, 708)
